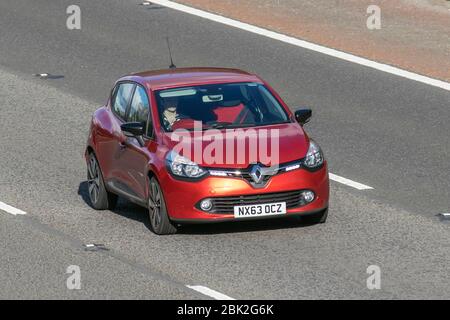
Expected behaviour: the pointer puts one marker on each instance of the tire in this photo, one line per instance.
(101, 199)
(159, 219)
(316, 218)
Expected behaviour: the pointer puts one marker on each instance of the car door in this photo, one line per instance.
(111, 142)
(134, 157)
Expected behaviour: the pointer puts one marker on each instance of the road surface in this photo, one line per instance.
(384, 131)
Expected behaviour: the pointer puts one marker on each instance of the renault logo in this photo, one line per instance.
(256, 173)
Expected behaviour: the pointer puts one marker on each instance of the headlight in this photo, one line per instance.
(183, 167)
(314, 156)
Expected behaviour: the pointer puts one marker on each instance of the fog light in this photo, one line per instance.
(206, 205)
(308, 196)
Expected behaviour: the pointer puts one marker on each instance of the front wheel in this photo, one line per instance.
(159, 219)
(101, 199)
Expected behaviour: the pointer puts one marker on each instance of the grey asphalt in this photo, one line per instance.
(378, 129)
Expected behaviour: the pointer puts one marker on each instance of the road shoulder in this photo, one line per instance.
(414, 35)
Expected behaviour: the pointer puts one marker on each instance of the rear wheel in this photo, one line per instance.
(319, 217)
(101, 199)
(159, 219)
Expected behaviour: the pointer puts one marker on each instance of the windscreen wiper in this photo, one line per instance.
(229, 125)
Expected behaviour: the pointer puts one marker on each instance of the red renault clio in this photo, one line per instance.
(200, 145)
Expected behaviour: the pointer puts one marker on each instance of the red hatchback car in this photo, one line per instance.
(204, 145)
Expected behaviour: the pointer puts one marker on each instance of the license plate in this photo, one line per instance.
(260, 210)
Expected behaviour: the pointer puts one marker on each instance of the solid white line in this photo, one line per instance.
(305, 44)
(11, 210)
(210, 293)
(349, 182)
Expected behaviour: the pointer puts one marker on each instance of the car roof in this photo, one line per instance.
(181, 77)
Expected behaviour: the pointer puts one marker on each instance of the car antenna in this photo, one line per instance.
(172, 65)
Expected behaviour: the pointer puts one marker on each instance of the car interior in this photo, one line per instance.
(228, 105)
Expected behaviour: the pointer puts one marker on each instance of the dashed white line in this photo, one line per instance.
(14, 211)
(305, 44)
(349, 182)
(210, 293)
(42, 75)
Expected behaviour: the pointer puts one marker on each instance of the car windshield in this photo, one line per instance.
(219, 106)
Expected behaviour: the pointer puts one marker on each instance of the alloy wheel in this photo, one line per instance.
(93, 180)
(154, 204)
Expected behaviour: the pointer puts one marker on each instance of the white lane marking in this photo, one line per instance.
(14, 211)
(305, 44)
(445, 215)
(349, 182)
(42, 75)
(210, 293)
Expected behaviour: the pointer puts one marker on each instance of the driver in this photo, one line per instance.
(170, 109)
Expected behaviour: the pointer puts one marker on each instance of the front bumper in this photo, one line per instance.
(182, 197)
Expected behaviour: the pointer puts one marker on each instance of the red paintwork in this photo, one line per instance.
(133, 165)
(181, 77)
(293, 143)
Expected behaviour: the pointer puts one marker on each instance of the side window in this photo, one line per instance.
(139, 108)
(122, 98)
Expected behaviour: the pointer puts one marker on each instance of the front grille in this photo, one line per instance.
(249, 179)
(266, 172)
(225, 205)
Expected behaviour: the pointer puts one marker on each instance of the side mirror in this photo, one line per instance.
(134, 130)
(303, 116)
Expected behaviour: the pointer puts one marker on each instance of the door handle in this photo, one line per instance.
(122, 146)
